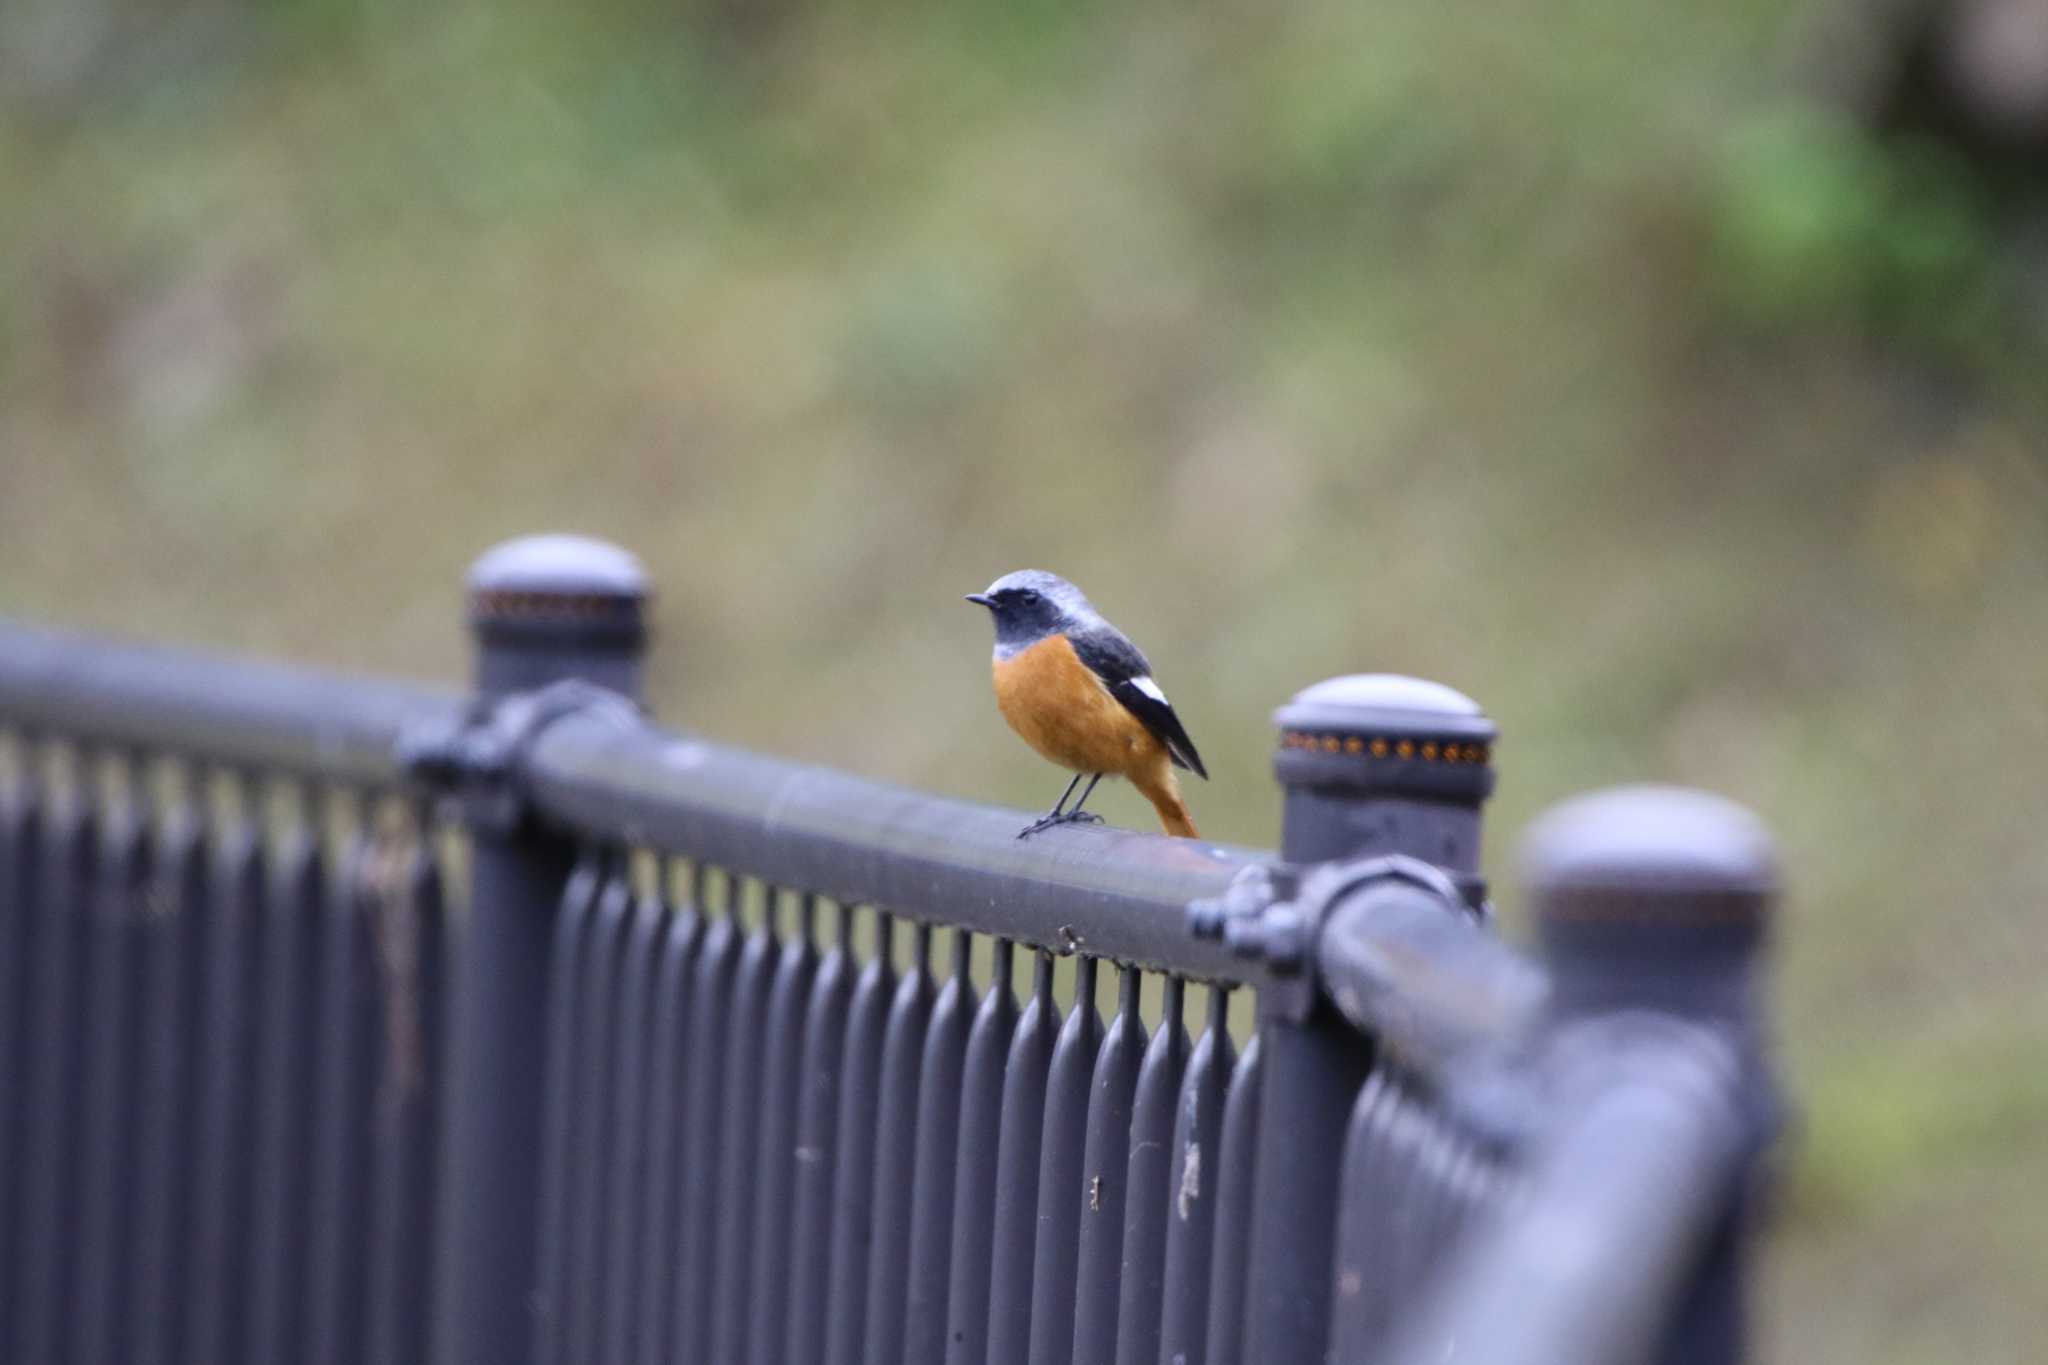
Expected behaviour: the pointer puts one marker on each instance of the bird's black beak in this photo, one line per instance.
(980, 599)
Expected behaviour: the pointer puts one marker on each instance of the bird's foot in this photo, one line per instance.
(1071, 817)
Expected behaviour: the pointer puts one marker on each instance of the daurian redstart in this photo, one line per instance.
(1082, 695)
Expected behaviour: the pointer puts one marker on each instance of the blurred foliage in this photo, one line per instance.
(1569, 354)
(1817, 218)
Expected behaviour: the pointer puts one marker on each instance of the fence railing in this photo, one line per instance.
(343, 1021)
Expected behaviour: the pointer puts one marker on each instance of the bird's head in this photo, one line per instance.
(1029, 605)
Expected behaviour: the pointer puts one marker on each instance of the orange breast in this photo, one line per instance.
(1063, 711)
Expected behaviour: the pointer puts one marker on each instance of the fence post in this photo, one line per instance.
(544, 609)
(1658, 900)
(1372, 765)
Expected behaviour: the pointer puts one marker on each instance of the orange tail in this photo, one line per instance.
(1164, 794)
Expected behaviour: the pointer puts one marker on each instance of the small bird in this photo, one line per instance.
(1080, 693)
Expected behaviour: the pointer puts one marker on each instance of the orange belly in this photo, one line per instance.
(1061, 709)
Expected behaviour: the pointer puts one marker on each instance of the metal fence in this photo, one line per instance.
(341, 1021)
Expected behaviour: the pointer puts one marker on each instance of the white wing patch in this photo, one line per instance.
(1150, 689)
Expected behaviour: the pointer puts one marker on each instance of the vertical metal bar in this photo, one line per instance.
(596, 1062)
(739, 1152)
(412, 949)
(1061, 1174)
(776, 1165)
(703, 1127)
(1011, 1258)
(1363, 1293)
(1196, 1184)
(657, 1262)
(292, 984)
(817, 1149)
(1105, 1172)
(630, 1163)
(1233, 1208)
(981, 1131)
(49, 1213)
(21, 837)
(337, 1269)
(484, 1312)
(113, 1031)
(1313, 1068)
(853, 1166)
(1442, 1152)
(223, 1188)
(575, 924)
(895, 1165)
(1429, 1197)
(934, 1183)
(176, 924)
(1147, 1182)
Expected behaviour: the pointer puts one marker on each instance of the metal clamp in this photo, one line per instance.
(476, 760)
(1236, 916)
(1274, 914)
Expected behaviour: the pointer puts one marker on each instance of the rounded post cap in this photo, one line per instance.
(1649, 841)
(1650, 897)
(553, 583)
(1386, 732)
(558, 564)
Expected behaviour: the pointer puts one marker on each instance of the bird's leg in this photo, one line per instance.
(1055, 815)
(1077, 816)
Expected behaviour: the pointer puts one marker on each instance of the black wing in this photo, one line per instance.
(1124, 671)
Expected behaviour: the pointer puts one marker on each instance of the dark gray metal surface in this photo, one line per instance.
(21, 922)
(236, 712)
(1054, 1286)
(227, 1099)
(1619, 1198)
(810, 1270)
(1148, 1178)
(1018, 1158)
(1103, 1190)
(627, 1186)
(1311, 1072)
(936, 1179)
(574, 925)
(413, 950)
(351, 1023)
(895, 1157)
(853, 1164)
(739, 1150)
(981, 1137)
(1428, 983)
(598, 1053)
(106, 1162)
(1229, 1260)
(1195, 1181)
(486, 1256)
(777, 1162)
(1116, 894)
(667, 1093)
(61, 983)
(708, 1080)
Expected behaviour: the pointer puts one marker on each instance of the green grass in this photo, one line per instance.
(1562, 353)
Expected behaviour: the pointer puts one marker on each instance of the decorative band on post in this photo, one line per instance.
(546, 608)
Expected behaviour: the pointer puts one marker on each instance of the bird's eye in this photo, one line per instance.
(1029, 597)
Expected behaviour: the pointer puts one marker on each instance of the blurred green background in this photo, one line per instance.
(1596, 358)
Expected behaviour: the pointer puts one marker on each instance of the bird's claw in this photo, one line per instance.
(1071, 817)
